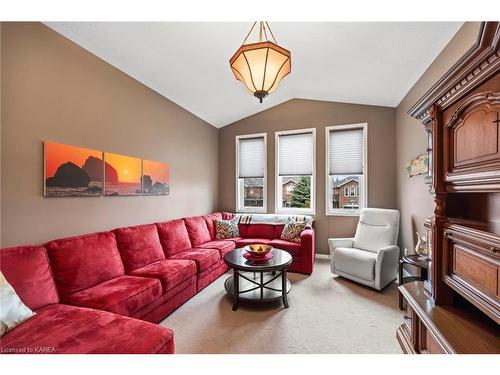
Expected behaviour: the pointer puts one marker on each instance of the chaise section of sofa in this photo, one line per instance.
(58, 328)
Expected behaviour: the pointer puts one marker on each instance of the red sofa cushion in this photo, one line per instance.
(260, 231)
(223, 246)
(292, 247)
(27, 269)
(243, 229)
(139, 246)
(170, 272)
(77, 330)
(84, 261)
(123, 295)
(250, 241)
(278, 229)
(197, 230)
(174, 237)
(210, 220)
(204, 258)
(227, 215)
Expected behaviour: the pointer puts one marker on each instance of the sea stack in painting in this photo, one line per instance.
(124, 175)
(67, 173)
(155, 179)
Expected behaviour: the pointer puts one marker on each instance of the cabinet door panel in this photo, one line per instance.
(472, 144)
(476, 137)
(476, 270)
(471, 268)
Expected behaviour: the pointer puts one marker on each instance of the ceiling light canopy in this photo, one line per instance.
(262, 65)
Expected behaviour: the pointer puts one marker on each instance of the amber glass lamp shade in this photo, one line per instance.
(261, 66)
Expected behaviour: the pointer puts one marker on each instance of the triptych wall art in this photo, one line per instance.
(72, 171)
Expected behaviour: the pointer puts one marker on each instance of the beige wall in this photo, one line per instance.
(299, 114)
(414, 200)
(54, 90)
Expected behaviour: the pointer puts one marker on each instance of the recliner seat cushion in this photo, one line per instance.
(223, 246)
(27, 269)
(174, 237)
(123, 295)
(170, 272)
(139, 246)
(291, 247)
(197, 230)
(84, 261)
(204, 258)
(59, 329)
(356, 262)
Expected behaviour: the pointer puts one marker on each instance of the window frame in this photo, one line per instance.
(244, 209)
(341, 211)
(278, 188)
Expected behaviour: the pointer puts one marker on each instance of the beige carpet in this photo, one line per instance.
(327, 314)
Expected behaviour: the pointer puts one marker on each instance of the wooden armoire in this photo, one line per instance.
(458, 310)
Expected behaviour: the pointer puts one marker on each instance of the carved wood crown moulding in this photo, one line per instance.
(478, 64)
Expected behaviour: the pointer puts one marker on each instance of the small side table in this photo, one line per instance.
(414, 260)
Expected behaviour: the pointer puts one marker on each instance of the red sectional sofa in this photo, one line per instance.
(87, 290)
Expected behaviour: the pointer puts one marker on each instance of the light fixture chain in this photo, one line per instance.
(269, 27)
(265, 32)
(249, 32)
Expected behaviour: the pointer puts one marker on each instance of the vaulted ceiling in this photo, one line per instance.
(373, 63)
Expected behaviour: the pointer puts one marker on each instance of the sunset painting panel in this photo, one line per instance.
(72, 171)
(122, 174)
(156, 178)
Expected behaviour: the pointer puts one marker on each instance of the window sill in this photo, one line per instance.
(291, 212)
(263, 211)
(342, 214)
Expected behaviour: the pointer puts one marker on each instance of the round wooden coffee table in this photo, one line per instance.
(258, 281)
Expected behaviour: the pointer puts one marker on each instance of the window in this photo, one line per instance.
(251, 173)
(346, 169)
(295, 171)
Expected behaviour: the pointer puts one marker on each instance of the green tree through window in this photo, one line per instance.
(301, 194)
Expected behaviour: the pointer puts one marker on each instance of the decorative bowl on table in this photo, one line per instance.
(258, 251)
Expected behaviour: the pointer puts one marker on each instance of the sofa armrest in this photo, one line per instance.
(308, 249)
(339, 242)
(386, 266)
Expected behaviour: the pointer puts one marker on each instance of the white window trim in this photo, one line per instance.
(277, 204)
(262, 209)
(339, 211)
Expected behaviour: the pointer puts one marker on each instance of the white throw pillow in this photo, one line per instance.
(12, 310)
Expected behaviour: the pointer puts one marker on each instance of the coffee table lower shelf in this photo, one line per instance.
(258, 287)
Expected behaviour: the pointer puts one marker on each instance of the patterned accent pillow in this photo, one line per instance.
(292, 230)
(226, 229)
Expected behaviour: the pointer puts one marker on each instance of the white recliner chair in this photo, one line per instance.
(371, 257)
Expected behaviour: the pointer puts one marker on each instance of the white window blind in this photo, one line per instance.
(296, 154)
(346, 151)
(251, 157)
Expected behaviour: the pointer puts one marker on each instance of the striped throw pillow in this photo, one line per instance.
(226, 229)
(292, 230)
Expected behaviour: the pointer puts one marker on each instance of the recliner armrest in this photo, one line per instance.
(339, 242)
(386, 265)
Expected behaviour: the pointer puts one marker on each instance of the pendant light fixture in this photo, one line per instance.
(262, 65)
